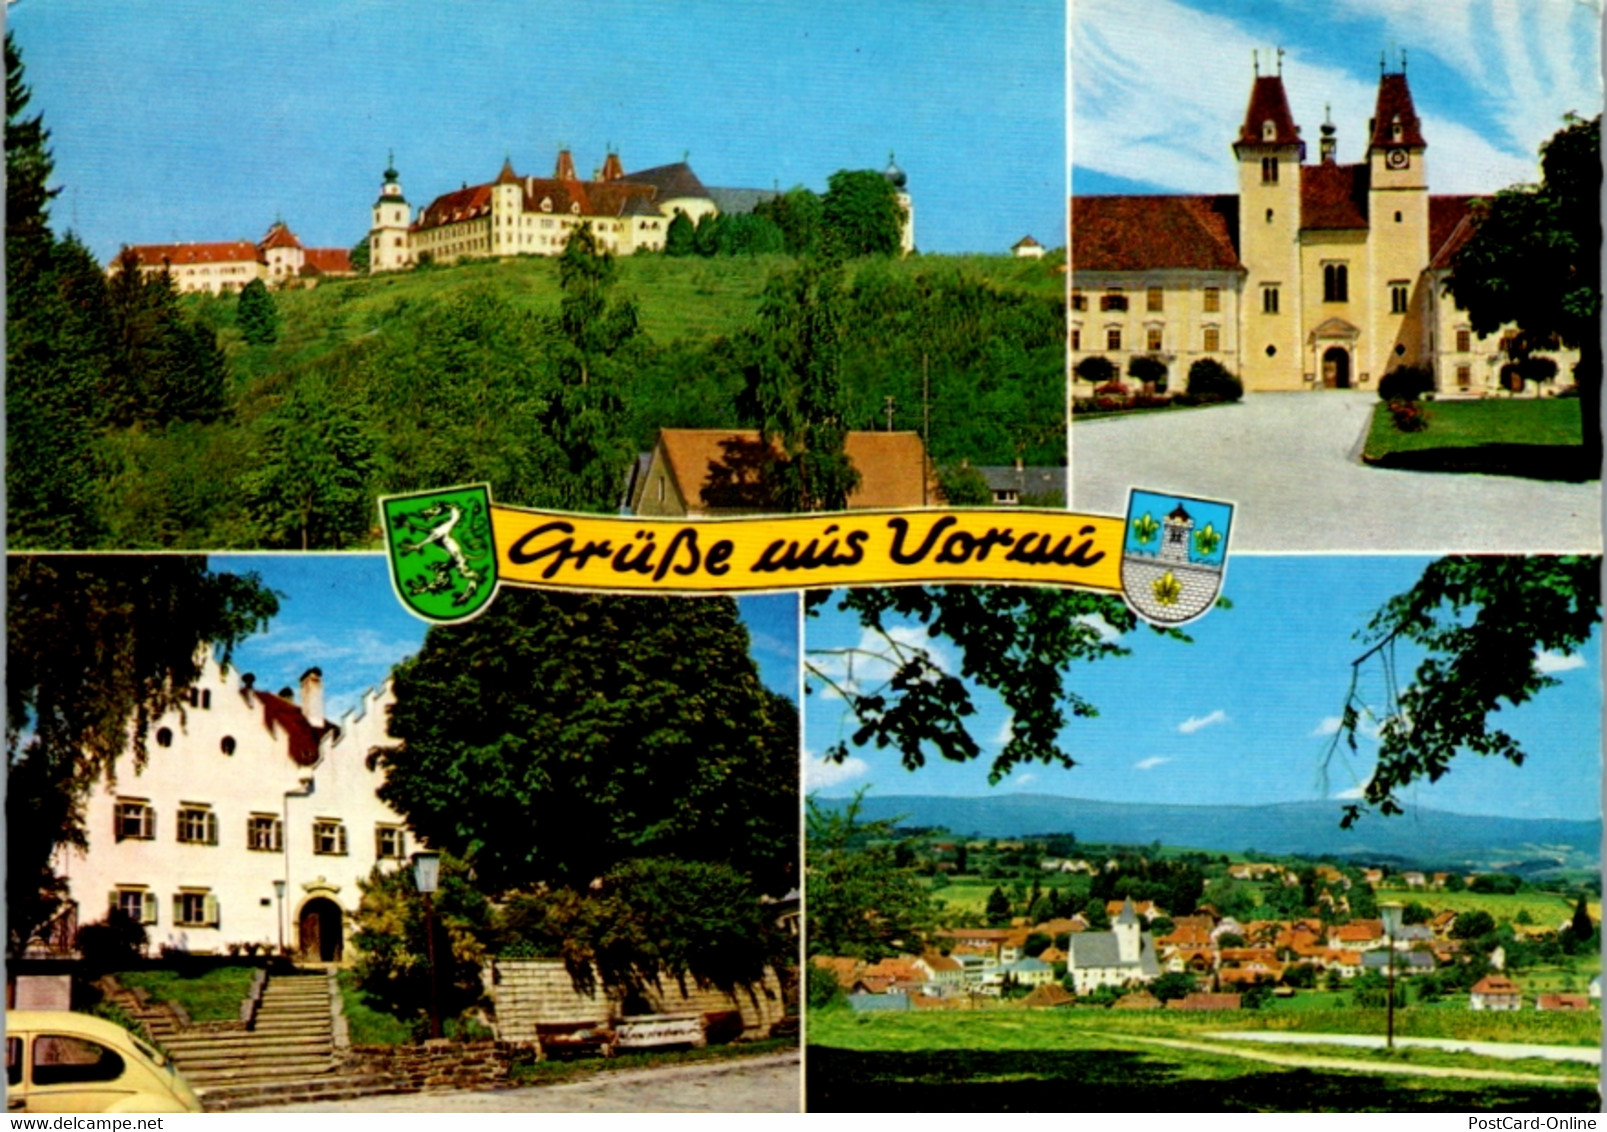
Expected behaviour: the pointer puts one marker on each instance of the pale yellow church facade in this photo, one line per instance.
(1312, 276)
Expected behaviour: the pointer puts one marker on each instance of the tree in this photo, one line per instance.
(360, 256)
(1534, 259)
(1096, 369)
(998, 908)
(557, 736)
(1582, 925)
(794, 394)
(1173, 984)
(706, 238)
(256, 315)
(860, 214)
(1482, 622)
(164, 366)
(1472, 924)
(964, 486)
(861, 905)
(1147, 370)
(799, 214)
(1018, 642)
(1211, 380)
(96, 648)
(680, 238)
(586, 414)
(311, 483)
(1415, 913)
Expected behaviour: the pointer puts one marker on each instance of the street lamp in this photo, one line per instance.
(279, 914)
(1391, 913)
(426, 875)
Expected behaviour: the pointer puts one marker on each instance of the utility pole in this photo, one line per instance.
(887, 407)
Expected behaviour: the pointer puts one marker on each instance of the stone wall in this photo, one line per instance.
(439, 1064)
(535, 992)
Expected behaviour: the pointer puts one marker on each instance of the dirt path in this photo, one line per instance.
(1296, 1061)
(1511, 1050)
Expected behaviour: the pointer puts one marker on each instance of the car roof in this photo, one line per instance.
(68, 1020)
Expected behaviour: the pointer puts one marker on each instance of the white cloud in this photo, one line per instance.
(1329, 725)
(1150, 763)
(1548, 663)
(1194, 723)
(1022, 779)
(1351, 795)
(1166, 114)
(1107, 632)
(1005, 733)
(871, 660)
(820, 773)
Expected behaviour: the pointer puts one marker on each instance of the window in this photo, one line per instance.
(1153, 299)
(1076, 338)
(1213, 339)
(329, 837)
(198, 825)
(13, 1061)
(138, 904)
(1269, 300)
(1113, 300)
(1397, 298)
(1213, 299)
(1269, 170)
(227, 745)
(1335, 283)
(1113, 338)
(1464, 341)
(164, 737)
(265, 833)
(62, 1060)
(1152, 339)
(200, 699)
(195, 908)
(390, 842)
(136, 821)
(1464, 376)
(1079, 301)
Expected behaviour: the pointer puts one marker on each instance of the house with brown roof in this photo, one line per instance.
(1200, 1000)
(1312, 276)
(278, 259)
(1562, 1002)
(1495, 992)
(704, 472)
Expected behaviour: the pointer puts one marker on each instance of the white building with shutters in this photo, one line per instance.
(242, 789)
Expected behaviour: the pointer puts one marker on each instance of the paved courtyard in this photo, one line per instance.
(1291, 462)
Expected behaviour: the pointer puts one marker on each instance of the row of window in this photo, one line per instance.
(198, 825)
(1211, 338)
(1115, 299)
(192, 907)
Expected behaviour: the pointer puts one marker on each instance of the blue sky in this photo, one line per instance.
(1245, 713)
(198, 120)
(1160, 88)
(338, 613)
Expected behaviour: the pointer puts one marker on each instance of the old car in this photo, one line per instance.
(59, 1061)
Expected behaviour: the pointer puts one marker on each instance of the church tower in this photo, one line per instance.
(1397, 201)
(1129, 940)
(897, 178)
(1270, 153)
(389, 246)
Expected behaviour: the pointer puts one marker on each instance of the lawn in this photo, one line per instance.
(1544, 908)
(367, 1025)
(1532, 438)
(992, 1061)
(213, 996)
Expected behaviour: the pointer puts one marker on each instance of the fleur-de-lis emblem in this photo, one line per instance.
(1206, 540)
(1145, 528)
(1167, 589)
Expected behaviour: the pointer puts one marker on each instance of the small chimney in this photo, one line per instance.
(312, 696)
(1020, 467)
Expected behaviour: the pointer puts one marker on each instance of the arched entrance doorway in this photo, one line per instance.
(322, 930)
(1336, 368)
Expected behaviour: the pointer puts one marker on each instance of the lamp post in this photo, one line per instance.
(426, 875)
(279, 914)
(1391, 913)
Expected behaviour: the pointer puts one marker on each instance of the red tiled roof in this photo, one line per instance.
(1268, 102)
(1495, 984)
(330, 261)
(1333, 196)
(507, 176)
(464, 204)
(845, 969)
(1450, 223)
(1146, 233)
(231, 251)
(1395, 100)
(1199, 1000)
(1562, 1002)
(1049, 994)
(279, 236)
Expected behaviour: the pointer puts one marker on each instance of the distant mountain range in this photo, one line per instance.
(1420, 837)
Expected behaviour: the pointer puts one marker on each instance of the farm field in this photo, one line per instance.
(1011, 1060)
(1544, 908)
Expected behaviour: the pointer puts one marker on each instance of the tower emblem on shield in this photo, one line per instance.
(443, 558)
(1174, 555)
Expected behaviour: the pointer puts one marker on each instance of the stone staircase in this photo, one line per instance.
(287, 1054)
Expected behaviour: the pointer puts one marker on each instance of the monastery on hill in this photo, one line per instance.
(514, 215)
(278, 258)
(1312, 276)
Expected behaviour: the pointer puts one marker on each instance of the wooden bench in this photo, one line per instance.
(648, 1031)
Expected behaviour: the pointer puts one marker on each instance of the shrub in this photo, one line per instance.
(821, 987)
(1111, 389)
(1406, 383)
(1210, 378)
(1096, 370)
(964, 486)
(1149, 370)
(1408, 416)
(112, 943)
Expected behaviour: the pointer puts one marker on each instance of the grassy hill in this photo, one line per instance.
(449, 374)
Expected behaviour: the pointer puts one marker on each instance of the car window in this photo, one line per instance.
(62, 1060)
(13, 1061)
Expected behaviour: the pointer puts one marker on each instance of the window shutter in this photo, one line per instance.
(117, 821)
(148, 823)
(178, 909)
(111, 902)
(341, 838)
(278, 834)
(149, 916)
(211, 828)
(211, 913)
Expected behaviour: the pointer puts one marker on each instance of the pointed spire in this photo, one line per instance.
(507, 176)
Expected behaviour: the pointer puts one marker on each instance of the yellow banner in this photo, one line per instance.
(1014, 546)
